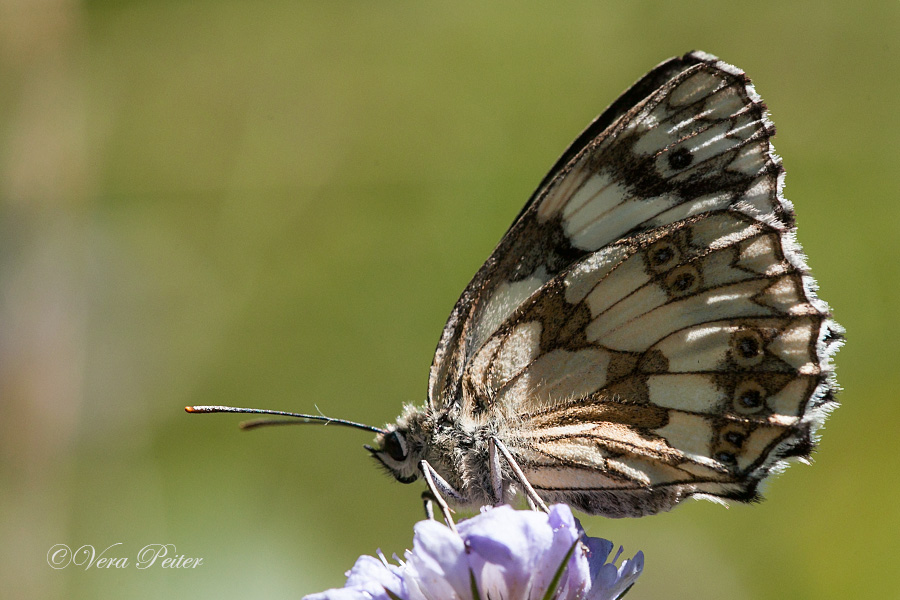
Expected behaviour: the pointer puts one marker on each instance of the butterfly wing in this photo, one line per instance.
(648, 319)
(684, 360)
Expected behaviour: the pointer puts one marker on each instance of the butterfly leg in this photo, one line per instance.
(497, 476)
(497, 479)
(437, 488)
(531, 495)
(428, 501)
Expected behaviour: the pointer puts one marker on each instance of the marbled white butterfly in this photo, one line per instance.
(647, 330)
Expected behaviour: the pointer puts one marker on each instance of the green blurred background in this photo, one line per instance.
(277, 204)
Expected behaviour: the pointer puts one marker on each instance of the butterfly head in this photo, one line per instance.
(400, 447)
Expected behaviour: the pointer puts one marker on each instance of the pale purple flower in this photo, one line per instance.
(501, 553)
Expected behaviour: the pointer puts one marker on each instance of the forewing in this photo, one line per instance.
(690, 137)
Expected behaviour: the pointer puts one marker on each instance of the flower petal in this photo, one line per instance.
(598, 552)
(369, 579)
(438, 562)
(369, 568)
(507, 549)
(566, 532)
(516, 554)
(609, 582)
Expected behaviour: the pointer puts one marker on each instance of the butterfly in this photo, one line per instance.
(647, 330)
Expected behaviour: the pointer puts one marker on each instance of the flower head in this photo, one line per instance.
(500, 553)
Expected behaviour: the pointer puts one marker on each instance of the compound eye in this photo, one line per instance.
(395, 446)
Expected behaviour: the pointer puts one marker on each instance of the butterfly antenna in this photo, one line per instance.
(306, 419)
